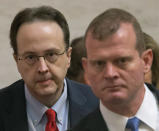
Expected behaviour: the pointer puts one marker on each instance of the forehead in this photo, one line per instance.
(122, 40)
(40, 35)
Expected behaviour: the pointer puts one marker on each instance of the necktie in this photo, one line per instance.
(133, 124)
(51, 124)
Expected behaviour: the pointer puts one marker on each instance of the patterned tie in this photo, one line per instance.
(133, 124)
(51, 124)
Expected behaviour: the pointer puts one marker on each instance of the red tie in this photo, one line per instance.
(51, 124)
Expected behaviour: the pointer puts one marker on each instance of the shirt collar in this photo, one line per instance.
(36, 110)
(119, 121)
(145, 113)
(61, 104)
(148, 110)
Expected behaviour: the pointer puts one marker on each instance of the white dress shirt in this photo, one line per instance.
(148, 113)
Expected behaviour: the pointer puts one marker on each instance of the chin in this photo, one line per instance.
(47, 92)
(49, 89)
(115, 98)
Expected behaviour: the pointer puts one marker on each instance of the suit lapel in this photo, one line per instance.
(96, 122)
(15, 108)
(77, 103)
(154, 91)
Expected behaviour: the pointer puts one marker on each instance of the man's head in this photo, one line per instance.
(43, 13)
(40, 40)
(76, 71)
(116, 59)
(152, 76)
(109, 22)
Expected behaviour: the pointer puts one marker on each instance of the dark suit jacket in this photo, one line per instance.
(94, 121)
(13, 115)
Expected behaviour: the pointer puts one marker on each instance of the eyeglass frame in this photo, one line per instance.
(37, 57)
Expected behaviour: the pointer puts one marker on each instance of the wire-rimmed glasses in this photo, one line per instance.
(32, 58)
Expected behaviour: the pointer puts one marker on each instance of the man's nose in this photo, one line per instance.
(110, 71)
(42, 67)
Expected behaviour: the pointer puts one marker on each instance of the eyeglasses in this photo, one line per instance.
(32, 59)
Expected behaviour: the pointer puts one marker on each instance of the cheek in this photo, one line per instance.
(28, 74)
(64, 62)
(91, 76)
(95, 78)
(22, 70)
(59, 69)
(95, 81)
(135, 75)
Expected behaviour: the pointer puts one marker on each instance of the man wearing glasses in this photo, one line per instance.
(44, 100)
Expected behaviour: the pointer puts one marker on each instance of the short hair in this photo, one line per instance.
(75, 71)
(109, 22)
(150, 43)
(42, 13)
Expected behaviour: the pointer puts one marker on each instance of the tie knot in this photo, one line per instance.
(51, 124)
(51, 115)
(133, 124)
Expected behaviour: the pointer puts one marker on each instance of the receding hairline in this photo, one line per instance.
(108, 22)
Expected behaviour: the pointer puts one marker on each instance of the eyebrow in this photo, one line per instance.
(45, 51)
(52, 50)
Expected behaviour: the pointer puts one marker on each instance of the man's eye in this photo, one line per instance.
(50, 54)
(99, 64)
(30, 57)
(122, 61)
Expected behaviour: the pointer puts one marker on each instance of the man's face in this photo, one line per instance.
(42, 78)
(114, 68)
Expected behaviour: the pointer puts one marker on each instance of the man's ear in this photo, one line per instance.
(69, 51)
(15, 57)
(147, 57)
(84, 63)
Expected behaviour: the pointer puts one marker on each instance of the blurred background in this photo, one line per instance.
(78, 13)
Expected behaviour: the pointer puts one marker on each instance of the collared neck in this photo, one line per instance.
(61, 104)
(36, 110)
(119, 121)
(147, 113)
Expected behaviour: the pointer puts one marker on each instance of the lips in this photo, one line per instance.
(44, 81)
(43, 78)
(113, 87)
